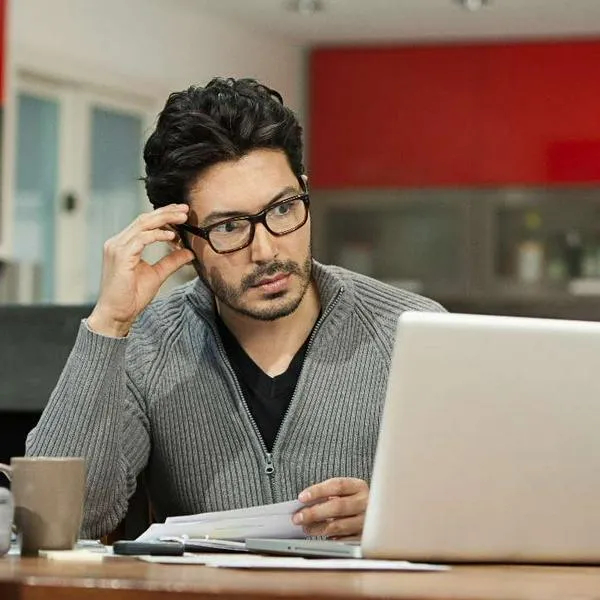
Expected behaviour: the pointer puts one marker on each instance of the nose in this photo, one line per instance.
(264, 245)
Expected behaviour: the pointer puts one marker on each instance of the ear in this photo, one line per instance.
(176, 243)
(304, 181)
(182, 240)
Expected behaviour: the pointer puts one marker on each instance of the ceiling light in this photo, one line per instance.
(306, 7)
(473, 5)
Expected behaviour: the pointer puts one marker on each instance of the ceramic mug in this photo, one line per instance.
(48, 495)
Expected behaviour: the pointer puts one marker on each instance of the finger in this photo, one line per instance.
(347, 538)
(174, 215)
(167, 265)
(337, 486)
(339, 506)
(137, 244)
(337, 528)
(169, 227)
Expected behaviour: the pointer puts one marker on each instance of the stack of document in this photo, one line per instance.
(267, 521)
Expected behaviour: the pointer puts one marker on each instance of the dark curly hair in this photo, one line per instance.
(202, 126)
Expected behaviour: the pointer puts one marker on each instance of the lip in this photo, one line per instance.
(273, 284)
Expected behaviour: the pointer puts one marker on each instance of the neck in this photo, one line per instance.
(273, 344)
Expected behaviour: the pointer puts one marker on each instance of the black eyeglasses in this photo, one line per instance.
(234, 234)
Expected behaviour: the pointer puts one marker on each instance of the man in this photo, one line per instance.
(262, 380)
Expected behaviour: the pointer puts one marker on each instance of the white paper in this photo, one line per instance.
(322, 564)
(187, 559)
(292, 563)
(73, 555)
(280, 508)
(267, 521)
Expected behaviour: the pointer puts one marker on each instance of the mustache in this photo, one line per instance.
(288, 267)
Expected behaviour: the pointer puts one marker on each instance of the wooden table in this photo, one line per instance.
(129, 579)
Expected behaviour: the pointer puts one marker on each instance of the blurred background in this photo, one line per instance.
(452, 147)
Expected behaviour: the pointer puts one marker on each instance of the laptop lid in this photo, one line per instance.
(489, 448)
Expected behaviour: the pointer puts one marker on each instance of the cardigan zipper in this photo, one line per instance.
(328, 310)
(241, 395)
(269, 467)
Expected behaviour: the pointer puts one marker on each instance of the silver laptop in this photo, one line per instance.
(489, 449)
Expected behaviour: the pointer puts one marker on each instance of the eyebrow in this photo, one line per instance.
(216, 216)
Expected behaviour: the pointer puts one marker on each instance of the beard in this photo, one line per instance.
(278, 304)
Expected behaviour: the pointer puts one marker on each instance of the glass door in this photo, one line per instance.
(116, 192)
(78, 168)
(36, 182)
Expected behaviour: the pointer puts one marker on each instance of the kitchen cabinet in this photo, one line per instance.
(485, 115)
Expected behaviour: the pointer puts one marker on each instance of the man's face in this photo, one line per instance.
(268, 279)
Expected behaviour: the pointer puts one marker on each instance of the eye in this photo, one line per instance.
(229, 227)
(283, 209)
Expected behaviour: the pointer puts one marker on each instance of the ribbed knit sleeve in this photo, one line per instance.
(96, 412)
(169, 386)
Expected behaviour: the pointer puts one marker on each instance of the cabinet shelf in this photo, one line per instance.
(465, 243)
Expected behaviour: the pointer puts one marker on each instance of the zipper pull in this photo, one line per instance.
(269, 468)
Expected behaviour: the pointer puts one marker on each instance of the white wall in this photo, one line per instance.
(167, 44)
(149, 47)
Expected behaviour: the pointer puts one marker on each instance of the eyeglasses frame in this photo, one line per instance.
(259, 217)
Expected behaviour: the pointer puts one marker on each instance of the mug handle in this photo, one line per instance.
(6, 470)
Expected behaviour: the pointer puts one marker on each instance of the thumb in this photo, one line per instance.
(172, 262)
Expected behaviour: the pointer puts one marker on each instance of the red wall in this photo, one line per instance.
(525, 113)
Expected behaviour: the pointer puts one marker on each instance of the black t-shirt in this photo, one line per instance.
(267, 397)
